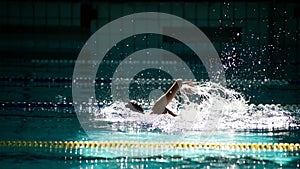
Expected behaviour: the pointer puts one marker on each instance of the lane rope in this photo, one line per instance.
(92, 144)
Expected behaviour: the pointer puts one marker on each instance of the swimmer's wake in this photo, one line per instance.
(201, 106)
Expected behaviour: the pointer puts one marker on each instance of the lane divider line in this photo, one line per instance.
(92, 144)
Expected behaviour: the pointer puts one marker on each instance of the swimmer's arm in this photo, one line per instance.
(161, 103)
(170, 94)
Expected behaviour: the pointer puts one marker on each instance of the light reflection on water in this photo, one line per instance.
(60, 123)
(44, 124)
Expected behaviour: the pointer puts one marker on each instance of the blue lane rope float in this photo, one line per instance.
(92, 144)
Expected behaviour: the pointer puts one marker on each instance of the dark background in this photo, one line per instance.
(258, 42)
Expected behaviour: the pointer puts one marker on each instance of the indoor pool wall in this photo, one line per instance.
(258, 43)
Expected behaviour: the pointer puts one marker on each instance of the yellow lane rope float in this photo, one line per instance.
(92, 144)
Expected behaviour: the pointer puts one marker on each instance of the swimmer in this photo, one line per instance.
(160, 104)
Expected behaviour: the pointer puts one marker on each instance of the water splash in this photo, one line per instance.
(204, 106)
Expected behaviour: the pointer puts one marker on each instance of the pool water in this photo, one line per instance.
(239, 123)
(36, 105)
(65, 127)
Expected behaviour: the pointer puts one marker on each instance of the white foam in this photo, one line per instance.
(203, 106)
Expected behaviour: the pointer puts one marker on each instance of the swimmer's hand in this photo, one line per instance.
(188, 83)
(188, 89)
(180, 82)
